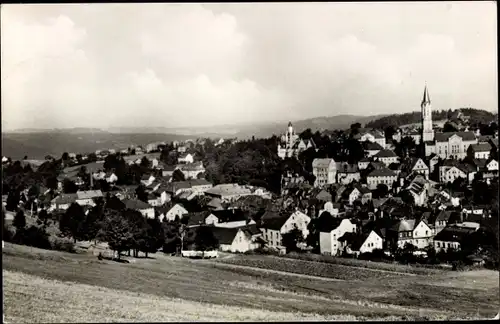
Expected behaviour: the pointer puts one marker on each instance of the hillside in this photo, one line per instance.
(396, 120)
(36, 144)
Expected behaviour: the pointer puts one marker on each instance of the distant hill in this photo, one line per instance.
(396, 120)
(37, 143)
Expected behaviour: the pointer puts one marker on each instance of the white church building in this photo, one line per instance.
(445, 145)
(291, 144)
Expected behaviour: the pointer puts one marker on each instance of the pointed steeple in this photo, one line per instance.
(289, 124)
(426, 98)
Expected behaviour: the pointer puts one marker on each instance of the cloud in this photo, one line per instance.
(106, 65)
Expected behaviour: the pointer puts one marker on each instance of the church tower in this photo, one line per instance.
(427, 131)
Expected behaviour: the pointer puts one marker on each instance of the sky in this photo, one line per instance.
(193, 65)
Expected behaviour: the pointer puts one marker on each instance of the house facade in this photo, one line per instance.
(325, 171)
(381, 176)
(329, 241)
(176, 211)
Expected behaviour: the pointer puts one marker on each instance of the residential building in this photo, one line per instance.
(358, 243)
(451, 238)
(331, 229)
(347, 173)
(63, 201)
(229, 218)
(479, 151)
(452, 170)
(325, 171)
(415, 165)
(185, 158)
(372, 148)
(387, 157)
(433, 160)
(411, 231)
(381, 176)
(177, 210)
(372, 135)
(87, 197)
(228, 192)
(234, 239)
(147, 180)
(273, 228)
(144, 208)
(154, 200)
(419, 193)
(335, 209)
(363, 163)
(167, 170)
(192, 170)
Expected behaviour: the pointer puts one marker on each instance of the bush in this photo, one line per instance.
(32, 236)
(63, 244)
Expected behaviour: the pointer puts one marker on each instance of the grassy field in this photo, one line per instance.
(37, 281)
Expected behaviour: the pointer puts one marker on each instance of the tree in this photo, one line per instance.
(382, 190)
(43, 216)
(448, 127)
(13, 200)
(389, 131)
(145, 163)
(65, 156)
(292, 238)
(115, 230)
(71, 222)
(205, 239)
(408, 199)
(141, 193)
(69, 186)
(19, 221)
(355, 128)
(51, 182)
(312, 239)
(177, 175)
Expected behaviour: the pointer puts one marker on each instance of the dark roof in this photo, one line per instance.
(480, 163)
(135, 204)
(66, 198)
(323, 195)
(444, 215)
(160, 210)
(197, 218)
(344, 167)
(443, 137)
(377, 165)
(231, 215)
(354, 240)
(372, 146)
(385, 153)
(251, 229)
(275, 223)
(382, 173)
(481, 147)
(224, 235)
(405, 225)
(453, 234)
(327, 223)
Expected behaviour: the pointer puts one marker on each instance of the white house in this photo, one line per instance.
(361, 243)
(63, 201)
(235, 239)
(272, 229)
(381, 176)
(331, 229)
(479, 151)
(147, 180)
(228, 218)
(371, 148)
(325, 171)
(387, 157)
(332, 208)
(185, 158)
(409, 231)
(111, 177)
(176, 211)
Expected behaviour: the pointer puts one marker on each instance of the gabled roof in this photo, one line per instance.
(215, 203)
(354, 240)
(231, 215)
(344, 167)
(197, 218)
(444, 137)
(404, 225)
(385, 154)
(377, 165)
(322, 163)
(382, 173)
(224, 235)
(275, 223)
(481, 147)
(372, 146)
(453, 234)
(251, 229)
(135, 204)
(160, 210)
(89, 194)
(480, 163)
(65, 199)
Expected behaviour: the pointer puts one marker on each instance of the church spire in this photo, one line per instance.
(426, 99)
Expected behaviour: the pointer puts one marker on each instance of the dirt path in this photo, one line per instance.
(234, 266)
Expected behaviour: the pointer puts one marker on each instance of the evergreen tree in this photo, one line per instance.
(19, 220)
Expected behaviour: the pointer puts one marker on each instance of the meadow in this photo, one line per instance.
(37, 283)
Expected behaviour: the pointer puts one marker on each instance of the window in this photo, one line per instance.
(426, 233)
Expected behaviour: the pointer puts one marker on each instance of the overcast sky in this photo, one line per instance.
(100, 65)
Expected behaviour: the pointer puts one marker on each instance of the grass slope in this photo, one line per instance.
(405, 297)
